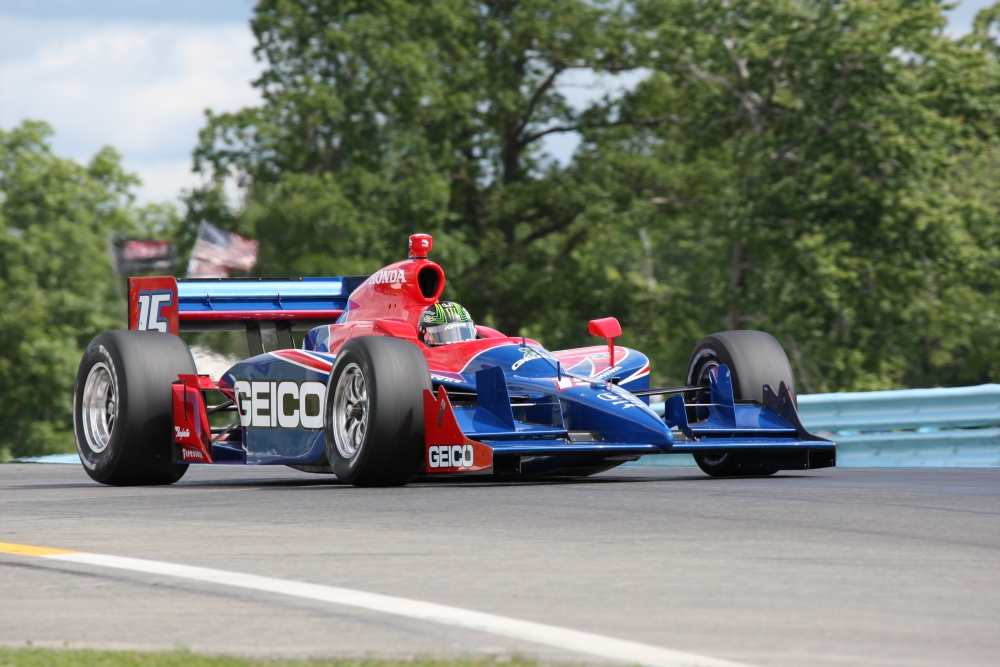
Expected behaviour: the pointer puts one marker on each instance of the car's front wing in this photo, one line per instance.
(772, 430)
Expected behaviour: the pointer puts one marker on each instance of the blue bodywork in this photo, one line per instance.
(222, 295)
(269, 445)
(537, 417)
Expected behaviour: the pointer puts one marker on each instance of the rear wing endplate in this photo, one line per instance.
(171, 305)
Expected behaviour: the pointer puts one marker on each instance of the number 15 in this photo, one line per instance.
(150, 305)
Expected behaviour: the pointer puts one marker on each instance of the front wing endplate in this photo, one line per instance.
(447, 449)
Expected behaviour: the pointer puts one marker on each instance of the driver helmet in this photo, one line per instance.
(446, 322)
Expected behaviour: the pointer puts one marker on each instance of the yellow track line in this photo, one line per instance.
(28, 550)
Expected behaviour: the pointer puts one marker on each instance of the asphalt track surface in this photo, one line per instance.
(829, 567)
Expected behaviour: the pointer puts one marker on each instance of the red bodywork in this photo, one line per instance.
(444, 442)
(390, 302)
(153, 304)
(191, 428)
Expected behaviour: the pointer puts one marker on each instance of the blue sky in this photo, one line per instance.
(133, 74)
(138, 75)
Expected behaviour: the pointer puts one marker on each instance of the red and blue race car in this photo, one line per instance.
(391, 383)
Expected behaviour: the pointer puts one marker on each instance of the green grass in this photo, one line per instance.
(41, 657)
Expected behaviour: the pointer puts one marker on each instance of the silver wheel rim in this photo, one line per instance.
(350, 411)
(99, 407)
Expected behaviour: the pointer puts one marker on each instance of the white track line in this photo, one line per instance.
(549, 635)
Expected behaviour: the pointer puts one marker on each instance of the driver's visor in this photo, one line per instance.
(452, 332)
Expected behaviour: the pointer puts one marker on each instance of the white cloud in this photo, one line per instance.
(162, 179)
(139, 87)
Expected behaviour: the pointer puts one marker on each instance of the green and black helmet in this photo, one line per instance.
(446, 322)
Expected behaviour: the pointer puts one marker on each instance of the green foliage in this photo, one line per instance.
(848, 222)
(57, 284)
(383, 119)
(41, 657)
(819, 170)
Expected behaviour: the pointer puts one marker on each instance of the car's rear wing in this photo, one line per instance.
(173, 305)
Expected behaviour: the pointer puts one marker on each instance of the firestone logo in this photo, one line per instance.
(388, 276)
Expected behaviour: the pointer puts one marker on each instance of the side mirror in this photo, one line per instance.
(610, 328)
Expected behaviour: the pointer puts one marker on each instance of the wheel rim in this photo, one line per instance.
(705, 396)
(350, 411)
(100, 407)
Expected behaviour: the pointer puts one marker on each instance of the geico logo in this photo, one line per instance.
(388, 276)
(286, 404)
(450, 456)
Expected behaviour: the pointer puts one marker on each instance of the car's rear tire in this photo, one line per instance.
(122, 407)
(754, 359)
(374, 421)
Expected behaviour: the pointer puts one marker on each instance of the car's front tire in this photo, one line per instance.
(122, 407)
(374, 421)
(754, 359)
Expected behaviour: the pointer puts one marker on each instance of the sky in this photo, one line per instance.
(133, 74)
(138, 75)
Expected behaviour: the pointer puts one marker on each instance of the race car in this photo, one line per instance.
(390, 382)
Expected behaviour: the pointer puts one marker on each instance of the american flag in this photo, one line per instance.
(217, 251)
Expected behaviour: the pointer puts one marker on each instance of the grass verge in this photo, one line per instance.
(43, 657)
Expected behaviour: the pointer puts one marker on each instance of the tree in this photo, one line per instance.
(57, 283)
(816, 169)
(851, 217)
(385, 118)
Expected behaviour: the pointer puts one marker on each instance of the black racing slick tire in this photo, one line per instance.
(374, 418)
(123, 407)
(754, 359)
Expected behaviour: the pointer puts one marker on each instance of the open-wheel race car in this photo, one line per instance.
(390, 383)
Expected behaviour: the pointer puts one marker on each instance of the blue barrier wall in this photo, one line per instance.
(949, 428)
(942, 428)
